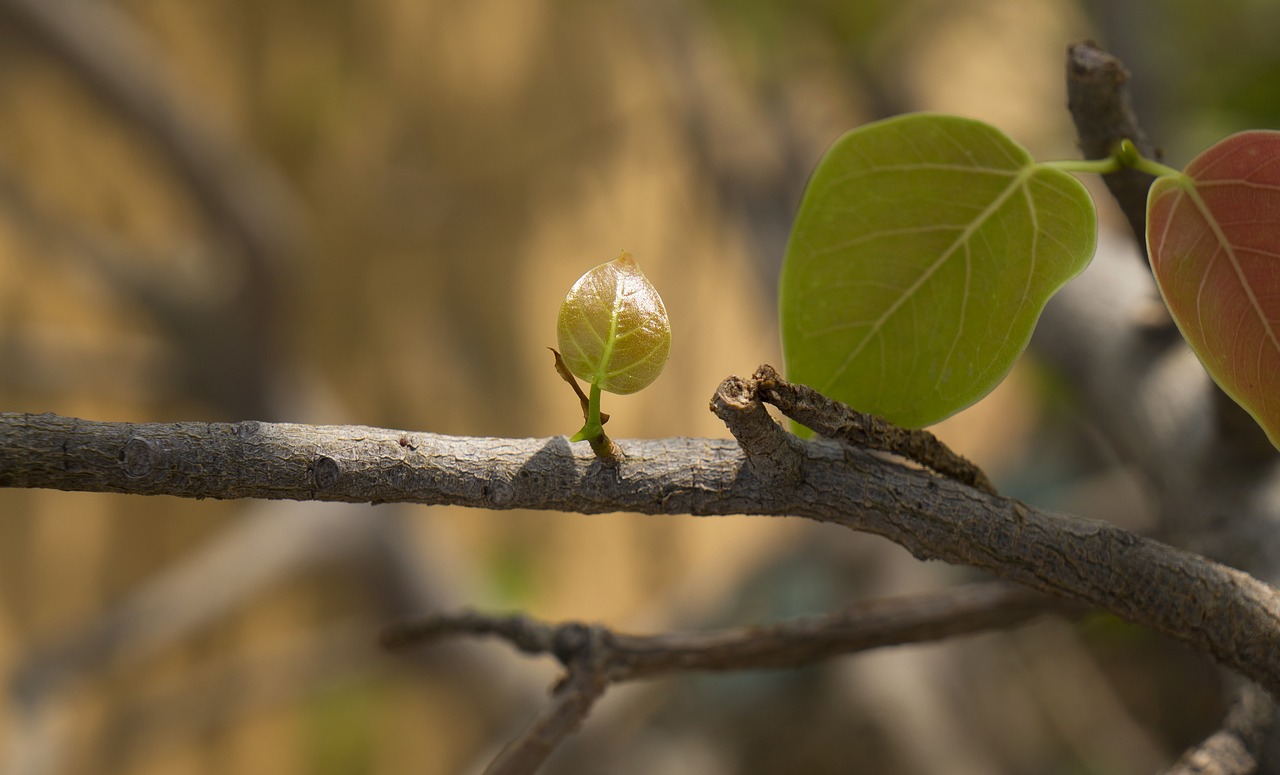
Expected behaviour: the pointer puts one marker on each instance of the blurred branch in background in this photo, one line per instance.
(239, 191)
(271, 543)
(245, 200)
(595, 657)
(225, 343)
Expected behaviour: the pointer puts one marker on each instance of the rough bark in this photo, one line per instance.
(1216, 609)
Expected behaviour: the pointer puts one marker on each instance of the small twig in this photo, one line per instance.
(830, 418)
(788, 644)
(528, 635)
(567, 376)
(596, 657)
(571, 701)
(601, 445)
(584, 651)
(1236, 748)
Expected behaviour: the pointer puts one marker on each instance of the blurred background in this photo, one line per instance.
(368, 213)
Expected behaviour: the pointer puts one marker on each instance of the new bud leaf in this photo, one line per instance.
(613, 328)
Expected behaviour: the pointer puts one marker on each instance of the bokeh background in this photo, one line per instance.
(337, 212)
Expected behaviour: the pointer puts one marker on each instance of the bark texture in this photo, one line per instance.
(1219, 610)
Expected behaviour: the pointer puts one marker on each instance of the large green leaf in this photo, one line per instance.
(924, 251)
(1213, 235)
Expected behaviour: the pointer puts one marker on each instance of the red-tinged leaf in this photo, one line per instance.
(1213, 234)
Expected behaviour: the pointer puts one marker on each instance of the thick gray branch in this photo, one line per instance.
(1217, 609)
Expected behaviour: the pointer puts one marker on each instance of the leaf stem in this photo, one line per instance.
(1086, 166)
(593, 429)
(1125, 155)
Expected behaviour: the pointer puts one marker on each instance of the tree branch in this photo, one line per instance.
(1098, 97)
(793, 643)
(1216, 609)
(1099, 101)
(571, 701)
(596, 657)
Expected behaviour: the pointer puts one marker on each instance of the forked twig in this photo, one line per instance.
(835, 420)
(595, 656)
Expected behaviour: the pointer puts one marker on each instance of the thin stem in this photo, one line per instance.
(1086, 166)
(1128, 155)
(1102, 110)
(593, 408)
(1124, 155)
(593, 428)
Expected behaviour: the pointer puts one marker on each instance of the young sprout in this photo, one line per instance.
(614, 333)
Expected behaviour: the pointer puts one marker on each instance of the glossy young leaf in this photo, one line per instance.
(613, 328)
(924, 251)
(1213, 234)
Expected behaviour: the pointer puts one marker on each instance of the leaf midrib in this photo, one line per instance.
(611, 338)
(1020, 180)
(1188, 186)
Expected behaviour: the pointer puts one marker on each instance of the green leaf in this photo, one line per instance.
(924, 251)
(613, 328)
(1213, 235)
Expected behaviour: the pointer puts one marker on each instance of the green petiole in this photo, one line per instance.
(593, 429)
(1124, 156)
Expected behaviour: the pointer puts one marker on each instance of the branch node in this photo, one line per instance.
(499, 492)
(139, 457)
(772, 453)
(325, 472)
(607, 453)
(830, 418)
(569, 642)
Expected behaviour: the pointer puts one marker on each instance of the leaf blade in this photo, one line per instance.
(895, 296)
(1213, 237)
(613, 329)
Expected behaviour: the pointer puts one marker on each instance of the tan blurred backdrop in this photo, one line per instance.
(368, 213)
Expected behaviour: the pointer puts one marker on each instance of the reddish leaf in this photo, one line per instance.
(1213, 234)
